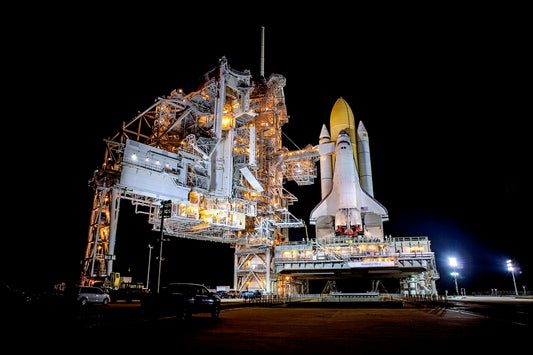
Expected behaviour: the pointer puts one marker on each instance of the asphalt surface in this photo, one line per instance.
(502, 310)
(464, 324)
(347, 330)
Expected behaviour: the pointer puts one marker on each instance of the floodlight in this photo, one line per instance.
(453, 262)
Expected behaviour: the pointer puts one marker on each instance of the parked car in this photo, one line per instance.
(250, 294)
(223, 294)
(233, 294)
(182, 300)
(85, 295)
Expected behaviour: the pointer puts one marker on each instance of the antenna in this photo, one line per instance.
(262, 62)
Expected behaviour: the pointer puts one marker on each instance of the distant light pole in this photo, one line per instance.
(453, 264)
(511, 269)
(150, 247)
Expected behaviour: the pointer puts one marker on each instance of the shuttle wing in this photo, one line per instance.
(326, 207)
(371, 205)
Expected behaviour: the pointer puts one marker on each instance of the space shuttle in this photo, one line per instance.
(348, 207)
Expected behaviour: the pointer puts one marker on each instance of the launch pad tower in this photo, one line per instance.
(216, 154)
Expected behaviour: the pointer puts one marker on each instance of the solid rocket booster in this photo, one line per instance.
(325, 150)
(342, 118)
(363, 153)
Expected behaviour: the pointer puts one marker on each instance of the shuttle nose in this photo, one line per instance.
(343, 137)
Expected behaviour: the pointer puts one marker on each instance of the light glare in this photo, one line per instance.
(453, 262)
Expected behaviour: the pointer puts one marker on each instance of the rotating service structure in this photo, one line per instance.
(216, 154)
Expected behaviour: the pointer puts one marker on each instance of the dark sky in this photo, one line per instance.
(444, 94)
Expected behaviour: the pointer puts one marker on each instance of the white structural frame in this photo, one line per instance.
(201, 151)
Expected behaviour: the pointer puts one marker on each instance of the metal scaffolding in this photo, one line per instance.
(217, 154)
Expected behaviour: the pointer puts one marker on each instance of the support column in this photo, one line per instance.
(235, 268)
(113, 214)
(268, 270)
(98, 222)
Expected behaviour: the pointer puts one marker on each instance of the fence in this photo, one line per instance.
(340, 299)
(427, 300)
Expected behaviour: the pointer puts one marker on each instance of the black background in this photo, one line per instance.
(443, 92)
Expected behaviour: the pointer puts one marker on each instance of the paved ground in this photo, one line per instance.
(494, 299)
(348, 330)
(461, 329)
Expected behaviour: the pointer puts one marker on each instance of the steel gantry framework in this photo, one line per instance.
(217, 154)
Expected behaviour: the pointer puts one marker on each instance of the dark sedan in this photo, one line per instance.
(182, 300)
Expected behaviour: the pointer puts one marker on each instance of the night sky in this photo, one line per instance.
(444, 95)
